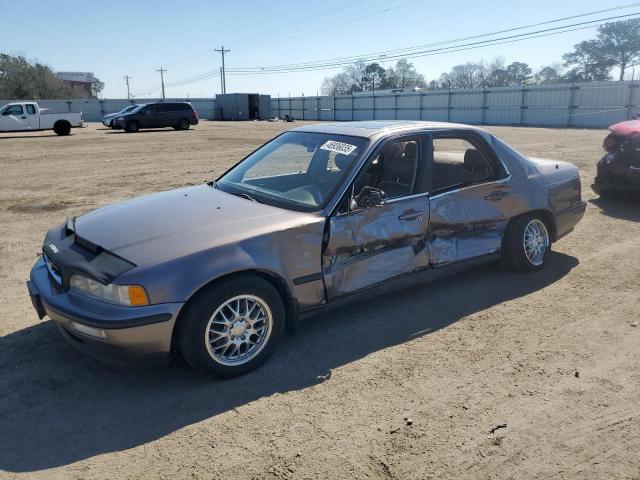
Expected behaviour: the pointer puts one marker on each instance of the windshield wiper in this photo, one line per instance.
(213, 184)
(247, 196)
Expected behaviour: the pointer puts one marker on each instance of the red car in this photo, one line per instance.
(619, 169)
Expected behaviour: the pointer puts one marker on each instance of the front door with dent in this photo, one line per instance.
(370, 242)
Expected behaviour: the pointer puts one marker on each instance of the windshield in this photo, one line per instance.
(130, 108)
(297, 170)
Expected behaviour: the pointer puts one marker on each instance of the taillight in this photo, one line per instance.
(610, 143)
(194, 113)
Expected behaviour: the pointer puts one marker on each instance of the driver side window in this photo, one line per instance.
(390, 173)
(14, 110)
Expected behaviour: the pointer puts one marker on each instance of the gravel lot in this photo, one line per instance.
(553, 355)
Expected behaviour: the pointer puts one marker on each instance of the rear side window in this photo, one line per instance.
(457, 162)
(31, 109)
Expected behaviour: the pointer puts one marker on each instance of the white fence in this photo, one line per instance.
(594, 104)
(93, 110)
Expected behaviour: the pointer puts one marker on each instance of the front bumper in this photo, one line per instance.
(602, 186)
(113, 333)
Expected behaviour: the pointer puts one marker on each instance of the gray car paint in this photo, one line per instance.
(183, 239)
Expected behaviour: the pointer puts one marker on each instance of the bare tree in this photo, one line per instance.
(340, 84)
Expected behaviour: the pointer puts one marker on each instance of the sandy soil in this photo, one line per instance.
(554, 355)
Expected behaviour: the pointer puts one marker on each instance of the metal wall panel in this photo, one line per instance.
(434, 115)
(409, 114)
(467, 98)
(504, 97)
(467, 115)
(435, 100)
(547, 116)
(362, 103)
(502, 116)
(596, 117)
(602, 96)
(548, 97)
(409, 101)
(594, 104)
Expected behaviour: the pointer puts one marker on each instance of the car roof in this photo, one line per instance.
(375, 128)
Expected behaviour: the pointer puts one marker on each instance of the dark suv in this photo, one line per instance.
(179, 115)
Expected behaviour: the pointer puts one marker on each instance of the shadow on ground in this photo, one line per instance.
(58, 406)
(121, 132)
(622, 207)
(7, 137)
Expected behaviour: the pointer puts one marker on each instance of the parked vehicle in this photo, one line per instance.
(108, 120)
(179, 115)
(619, 169)
(320, 214)
(28, 116)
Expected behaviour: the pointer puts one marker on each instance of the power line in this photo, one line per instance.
(288, 68)
(450, 50)
(277, 30)
(352, 59)
(415, 52)
(328, 24)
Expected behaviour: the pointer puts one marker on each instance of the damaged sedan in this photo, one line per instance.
(619, 169)
(323, 213)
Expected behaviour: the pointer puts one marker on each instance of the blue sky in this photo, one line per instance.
(116, 38)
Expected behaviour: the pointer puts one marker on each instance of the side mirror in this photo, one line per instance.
(371, 197)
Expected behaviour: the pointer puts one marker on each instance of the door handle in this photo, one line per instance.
(24, 118)
(496, 195)
(411, 215)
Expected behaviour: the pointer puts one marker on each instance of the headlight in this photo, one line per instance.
(132, 295)
(120, 118)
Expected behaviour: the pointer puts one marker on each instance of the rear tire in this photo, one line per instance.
(231, 327)
(133, 127)
(62, 128)
(183, 124)
(526, 243)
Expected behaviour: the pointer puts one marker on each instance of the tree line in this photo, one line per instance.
(617, 45)
(21, 79)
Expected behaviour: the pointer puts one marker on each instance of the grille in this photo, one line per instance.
(54, 271)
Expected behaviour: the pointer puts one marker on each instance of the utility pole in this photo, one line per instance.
(222, 51)
(126, 79)
(221, 81)
(162, 70)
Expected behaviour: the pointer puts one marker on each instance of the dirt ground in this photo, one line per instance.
(552, 356)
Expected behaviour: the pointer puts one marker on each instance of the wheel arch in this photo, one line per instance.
(290, 304)
(546, 215)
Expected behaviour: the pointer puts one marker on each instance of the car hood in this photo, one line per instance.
(174, 223)
(628, 128)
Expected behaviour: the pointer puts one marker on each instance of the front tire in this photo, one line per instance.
(133, 127)
(526, 243)
(232, 326)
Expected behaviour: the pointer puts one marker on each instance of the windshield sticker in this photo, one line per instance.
(338, 147)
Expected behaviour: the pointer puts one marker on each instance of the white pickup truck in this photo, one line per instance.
(28, 116)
